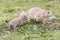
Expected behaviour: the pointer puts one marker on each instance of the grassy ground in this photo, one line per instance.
(30, 31)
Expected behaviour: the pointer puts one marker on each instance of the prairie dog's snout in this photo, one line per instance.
(50, 15)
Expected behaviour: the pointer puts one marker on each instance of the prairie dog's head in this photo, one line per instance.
(23, 15)
(50, 15)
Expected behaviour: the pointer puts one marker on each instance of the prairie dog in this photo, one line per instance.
(39, 14)
(17, 22)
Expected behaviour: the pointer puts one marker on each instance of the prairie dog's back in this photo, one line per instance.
(34, 11)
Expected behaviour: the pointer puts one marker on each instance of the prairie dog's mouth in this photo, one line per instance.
(52, 17)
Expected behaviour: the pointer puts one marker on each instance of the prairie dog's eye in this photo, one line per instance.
(48, 12)
(24, 15)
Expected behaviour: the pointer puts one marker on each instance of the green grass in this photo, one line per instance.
(32, 30)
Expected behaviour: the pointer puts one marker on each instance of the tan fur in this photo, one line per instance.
(14, 23)
(38, 14)
(17, 22)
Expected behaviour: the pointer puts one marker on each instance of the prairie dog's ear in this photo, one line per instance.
(23, 13)
(21, 10)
